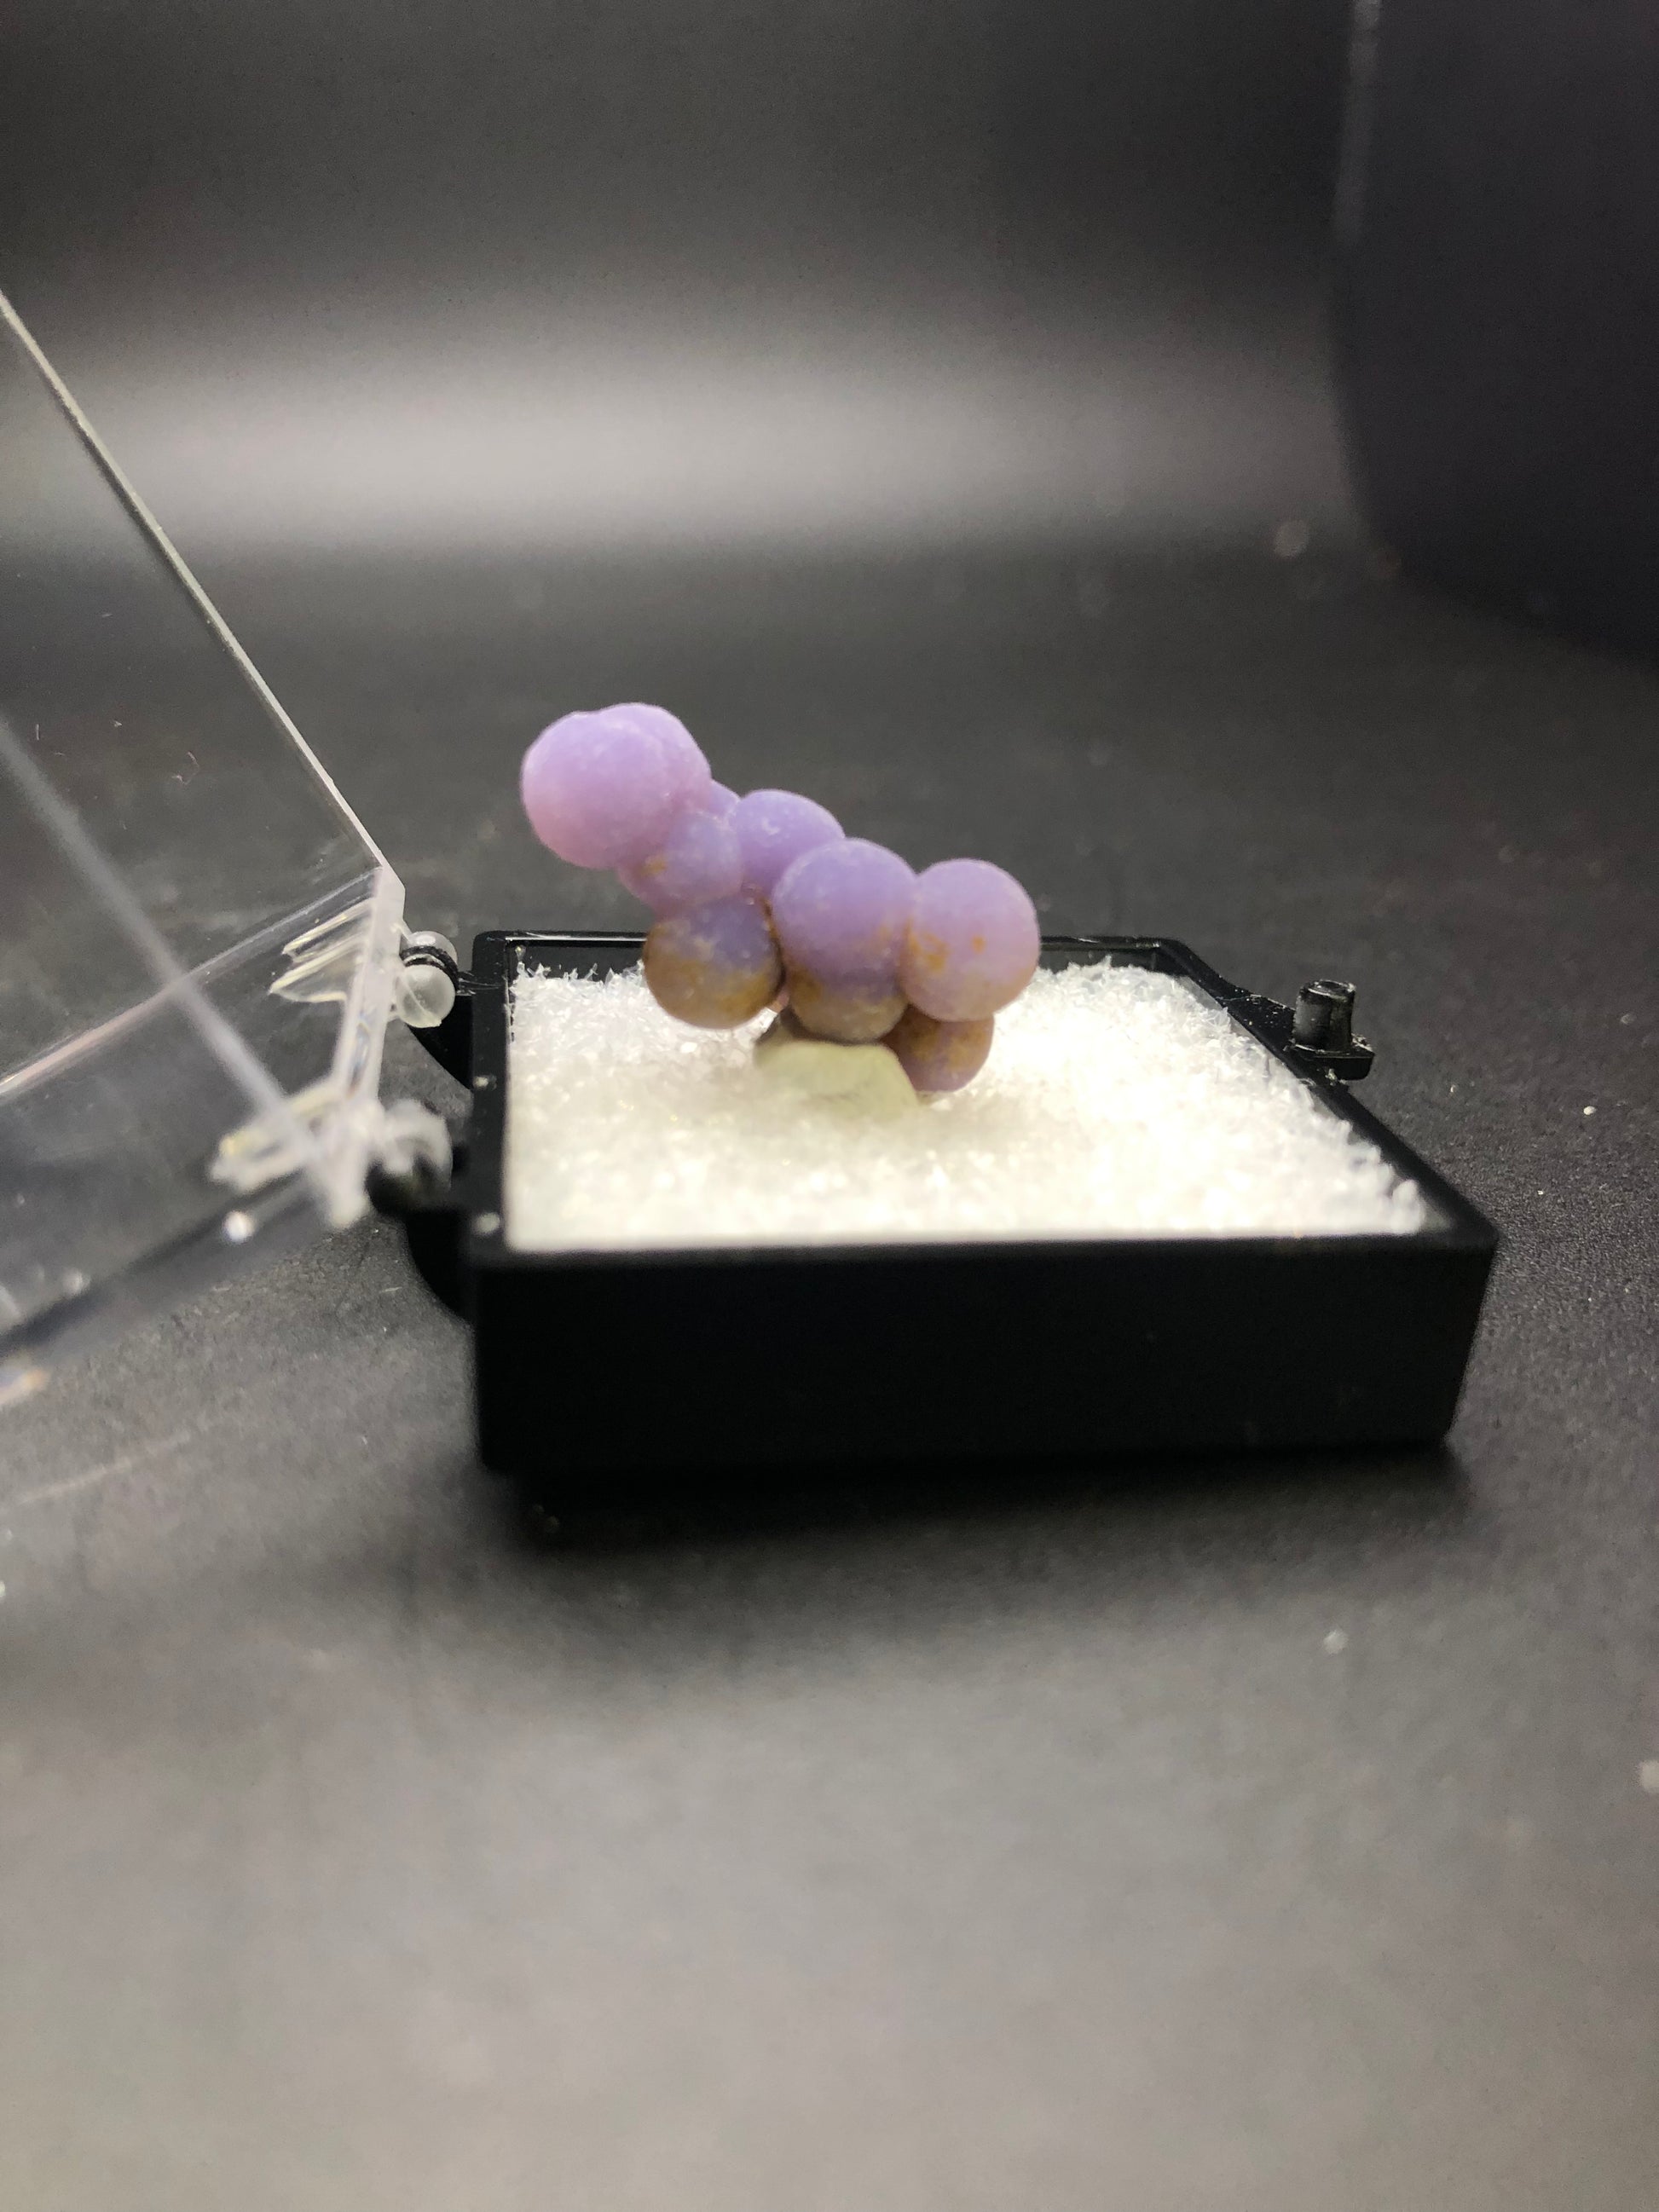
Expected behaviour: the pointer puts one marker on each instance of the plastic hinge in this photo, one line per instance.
(348, 1142)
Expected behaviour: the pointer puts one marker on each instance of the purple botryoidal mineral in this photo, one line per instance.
(766, 892)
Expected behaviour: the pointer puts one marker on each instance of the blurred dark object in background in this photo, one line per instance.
(1498, 302)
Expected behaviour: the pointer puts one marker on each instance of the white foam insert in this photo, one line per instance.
(1117, 1102)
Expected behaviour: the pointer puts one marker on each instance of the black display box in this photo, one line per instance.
(609, 1378)
(207, 946)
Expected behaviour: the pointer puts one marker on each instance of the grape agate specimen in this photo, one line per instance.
(715, 966)
(972, 943)
(840, 914)
(775, 828)
(603, 790)
(766, 893)
(940, 1056)
(850, 1011)
(698, 861)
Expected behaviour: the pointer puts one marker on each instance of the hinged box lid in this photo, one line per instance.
(198, 939)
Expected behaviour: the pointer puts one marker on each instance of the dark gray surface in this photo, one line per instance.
(1269, 1836)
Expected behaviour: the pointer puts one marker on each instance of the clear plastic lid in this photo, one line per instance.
(199, 939)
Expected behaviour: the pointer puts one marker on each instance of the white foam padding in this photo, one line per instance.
(1117, 1102)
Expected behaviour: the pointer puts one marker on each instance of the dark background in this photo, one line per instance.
(930, 405)
(428, 277)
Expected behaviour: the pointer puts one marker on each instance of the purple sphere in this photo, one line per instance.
(687, 765)
(715, 966)
(720, 800)
(775, 828)
(699, 861)
(939, 1056)
(858, 1011)
(972, 941)
(602, 789)
(841, 911)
